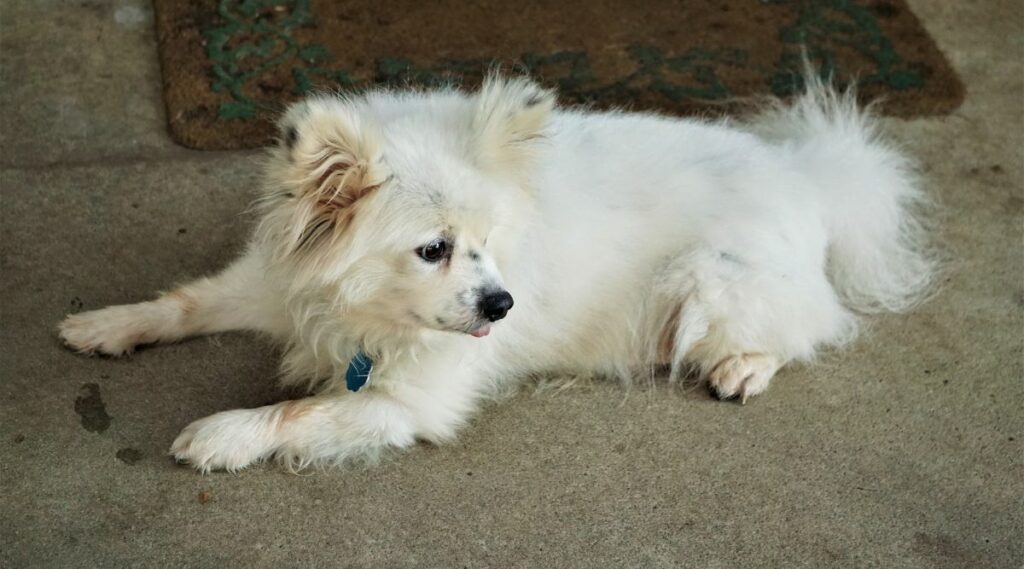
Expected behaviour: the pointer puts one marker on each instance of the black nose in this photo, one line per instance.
(494, 305)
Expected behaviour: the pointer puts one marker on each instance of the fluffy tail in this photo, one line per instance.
(880, 258)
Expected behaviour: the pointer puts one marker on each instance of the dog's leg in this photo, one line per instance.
(760, 313)
(237, 298)
(743, 375)
(429, 404)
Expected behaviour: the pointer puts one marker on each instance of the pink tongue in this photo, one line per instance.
(481, 331)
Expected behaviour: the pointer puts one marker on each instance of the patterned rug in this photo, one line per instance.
(229, 66)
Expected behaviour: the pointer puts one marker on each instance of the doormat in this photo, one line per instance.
(230, 66)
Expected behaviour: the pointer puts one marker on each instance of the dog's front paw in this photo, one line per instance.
(228, 441)
(743, 375)
(113, 331)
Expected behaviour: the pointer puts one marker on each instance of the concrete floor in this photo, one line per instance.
(905, 451)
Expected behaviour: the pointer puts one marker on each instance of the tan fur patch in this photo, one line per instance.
(667, 339)
(293, 410)
(186, 301)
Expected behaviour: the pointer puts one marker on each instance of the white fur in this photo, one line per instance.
(629, 241)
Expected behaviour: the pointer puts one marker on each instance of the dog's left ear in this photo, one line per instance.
(331, 161)
(510, 118)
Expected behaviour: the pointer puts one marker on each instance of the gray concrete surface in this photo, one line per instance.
(905, 451)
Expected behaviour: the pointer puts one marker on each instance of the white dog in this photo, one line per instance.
(397, 227)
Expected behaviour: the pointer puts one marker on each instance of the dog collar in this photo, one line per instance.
(358, 373)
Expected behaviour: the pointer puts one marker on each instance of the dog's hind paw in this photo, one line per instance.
(742, 375)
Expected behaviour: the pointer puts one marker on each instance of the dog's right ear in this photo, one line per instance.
(330, 161)
(510, 119)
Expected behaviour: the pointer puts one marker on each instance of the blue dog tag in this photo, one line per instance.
(358, 372)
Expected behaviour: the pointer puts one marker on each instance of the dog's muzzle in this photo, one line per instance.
(495, 305)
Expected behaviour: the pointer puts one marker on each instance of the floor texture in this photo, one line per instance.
(904, 451)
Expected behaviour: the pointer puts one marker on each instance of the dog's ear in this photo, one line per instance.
(510, 118)
(331, 160)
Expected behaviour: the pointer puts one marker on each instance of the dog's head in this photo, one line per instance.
(406, 206)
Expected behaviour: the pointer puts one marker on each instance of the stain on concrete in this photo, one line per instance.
(129, 455)
(89, 405)
(943, 547)
(1013, 205)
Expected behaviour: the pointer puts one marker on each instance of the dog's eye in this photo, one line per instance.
(434, 251)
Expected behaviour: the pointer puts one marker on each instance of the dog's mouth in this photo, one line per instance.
(481, 331)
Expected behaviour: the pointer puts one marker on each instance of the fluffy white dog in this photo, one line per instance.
(397, 227)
